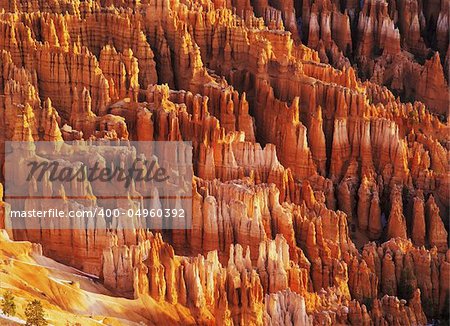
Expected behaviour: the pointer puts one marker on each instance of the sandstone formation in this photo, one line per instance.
(399, 44)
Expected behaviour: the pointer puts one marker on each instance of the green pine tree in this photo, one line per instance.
(35, 314)
(8, 305)
(407, 284)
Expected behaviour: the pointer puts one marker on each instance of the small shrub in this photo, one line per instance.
(406, 285)
(368, 302)
(8, 305)
(35, 314)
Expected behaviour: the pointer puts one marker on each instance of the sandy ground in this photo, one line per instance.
(70, 296)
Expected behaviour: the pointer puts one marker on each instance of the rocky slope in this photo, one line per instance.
(321, 188)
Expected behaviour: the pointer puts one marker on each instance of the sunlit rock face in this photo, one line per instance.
(320, 152)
